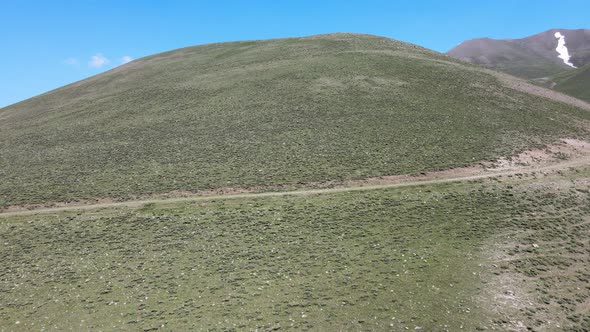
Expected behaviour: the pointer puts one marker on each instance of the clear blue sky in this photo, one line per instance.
(46, 44)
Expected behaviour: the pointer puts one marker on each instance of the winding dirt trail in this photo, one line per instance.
(468, 174)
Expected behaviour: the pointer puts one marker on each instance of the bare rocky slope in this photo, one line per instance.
(531, 57)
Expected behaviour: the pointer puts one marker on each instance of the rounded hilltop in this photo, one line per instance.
(278, 112)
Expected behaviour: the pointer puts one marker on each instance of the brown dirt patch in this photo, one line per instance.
(567, 149)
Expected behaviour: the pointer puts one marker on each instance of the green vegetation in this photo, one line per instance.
(530, 67)
(415, 258)
(500, 253)
(266, 113)
(574, 82)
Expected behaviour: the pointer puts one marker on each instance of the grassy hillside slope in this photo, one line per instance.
(504, 254)
(530, 67)
(575, 83)
(276, 112)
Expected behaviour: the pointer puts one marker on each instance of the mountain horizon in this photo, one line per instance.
(530, 57)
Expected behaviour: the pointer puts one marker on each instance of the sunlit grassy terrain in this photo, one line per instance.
(427, 257)
(260, 113)
(574, 82)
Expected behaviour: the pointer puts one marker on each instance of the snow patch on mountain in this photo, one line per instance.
(562, 50)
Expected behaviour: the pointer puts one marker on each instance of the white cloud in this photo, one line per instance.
(126, 59)
(72, 62)
(98, 60)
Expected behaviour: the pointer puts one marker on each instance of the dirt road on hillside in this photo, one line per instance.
(394, 182)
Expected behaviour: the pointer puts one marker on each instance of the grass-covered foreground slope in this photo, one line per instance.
(274, 112)
(502, 254)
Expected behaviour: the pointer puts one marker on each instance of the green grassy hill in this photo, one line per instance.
(507, 253)
(574, 82)
(447, 257)
(260, 113)
(530, 67)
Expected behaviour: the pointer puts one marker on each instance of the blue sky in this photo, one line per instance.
(47, 44)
